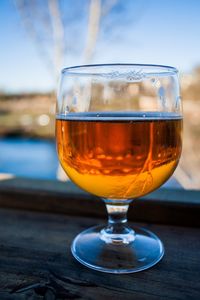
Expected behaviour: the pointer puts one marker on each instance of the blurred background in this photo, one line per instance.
(38, 38)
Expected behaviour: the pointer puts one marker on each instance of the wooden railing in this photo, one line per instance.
(39, 219)
(167, 206)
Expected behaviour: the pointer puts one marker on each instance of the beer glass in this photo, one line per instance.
(118, 131)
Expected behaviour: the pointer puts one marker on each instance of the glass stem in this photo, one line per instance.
(117, 230)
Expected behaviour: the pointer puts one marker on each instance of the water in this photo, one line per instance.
(36, 158)
(33, 158)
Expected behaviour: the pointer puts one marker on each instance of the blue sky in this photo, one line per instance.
(137, 31)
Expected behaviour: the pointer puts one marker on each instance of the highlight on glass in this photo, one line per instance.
(119, 137)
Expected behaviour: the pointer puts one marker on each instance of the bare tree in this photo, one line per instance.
(92, 30)
(46, 24)
(58, 35)
(46, 29)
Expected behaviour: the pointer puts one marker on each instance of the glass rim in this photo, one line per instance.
(145, 69)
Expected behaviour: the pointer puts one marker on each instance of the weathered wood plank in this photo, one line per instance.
(34, 243)
(167, 206)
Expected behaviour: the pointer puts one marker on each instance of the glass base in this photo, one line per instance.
(94, 251)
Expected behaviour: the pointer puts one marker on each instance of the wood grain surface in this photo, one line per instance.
(35, 250)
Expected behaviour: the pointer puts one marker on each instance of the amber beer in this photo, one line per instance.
(119, 155)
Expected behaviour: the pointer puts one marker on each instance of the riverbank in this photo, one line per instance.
(31, 115)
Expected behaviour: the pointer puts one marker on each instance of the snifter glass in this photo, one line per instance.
(118, 131)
